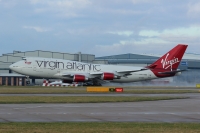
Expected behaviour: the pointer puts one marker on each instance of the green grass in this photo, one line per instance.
(77, 99)
(161, 91)
(99, 127)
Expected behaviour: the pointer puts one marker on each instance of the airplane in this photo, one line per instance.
(72, 71)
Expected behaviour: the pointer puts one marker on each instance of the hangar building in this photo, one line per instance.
(7, 77)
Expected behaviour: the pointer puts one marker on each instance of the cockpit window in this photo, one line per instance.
(24, 58)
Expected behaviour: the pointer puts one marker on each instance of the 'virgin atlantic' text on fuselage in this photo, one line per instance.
(68, 65)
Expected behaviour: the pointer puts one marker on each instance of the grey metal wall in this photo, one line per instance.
(100, 62)
(4, 65)
(4, 71)
(87, 58)
(127, 56)
(16, 55)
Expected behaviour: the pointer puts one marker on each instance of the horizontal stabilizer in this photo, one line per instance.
(132, 71)
(152, 66)
(171, 72)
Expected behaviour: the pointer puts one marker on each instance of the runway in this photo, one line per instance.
(180, 110)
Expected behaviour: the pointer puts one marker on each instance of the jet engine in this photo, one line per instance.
(108, 76)
(80, 78)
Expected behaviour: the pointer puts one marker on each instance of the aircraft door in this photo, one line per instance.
(34, 68)
(58, 70)
(149, 76)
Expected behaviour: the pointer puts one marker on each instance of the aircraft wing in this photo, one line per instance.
(92, 74)
(68, 74)
(118, 73)
(98, 74)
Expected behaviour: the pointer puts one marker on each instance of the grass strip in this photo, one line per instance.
(161, 91)
(77, 99)
(58, 90)
(99, 127)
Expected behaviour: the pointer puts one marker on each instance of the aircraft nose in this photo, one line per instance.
(11, 67)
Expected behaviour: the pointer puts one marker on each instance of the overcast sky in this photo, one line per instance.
(100, 27)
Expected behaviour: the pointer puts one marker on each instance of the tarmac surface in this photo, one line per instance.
(178, 110)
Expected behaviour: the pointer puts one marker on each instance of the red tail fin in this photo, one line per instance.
(171, 60)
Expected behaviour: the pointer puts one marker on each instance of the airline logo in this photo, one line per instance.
(168, 63)
(26, 62)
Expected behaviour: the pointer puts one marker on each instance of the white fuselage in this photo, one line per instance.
(56, 68)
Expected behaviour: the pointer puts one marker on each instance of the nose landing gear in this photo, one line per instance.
(27, 80)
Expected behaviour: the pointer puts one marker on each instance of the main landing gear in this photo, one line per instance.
(97, 84)
(93, 82)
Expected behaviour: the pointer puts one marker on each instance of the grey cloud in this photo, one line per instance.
(194, 9)
(99, 27)
(37, 28)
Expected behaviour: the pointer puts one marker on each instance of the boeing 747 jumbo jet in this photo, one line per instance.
(73, 71)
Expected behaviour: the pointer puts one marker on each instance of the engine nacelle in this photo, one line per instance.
(108, 76)
(80, 78)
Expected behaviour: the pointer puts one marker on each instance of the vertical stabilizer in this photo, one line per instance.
(171, 60)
